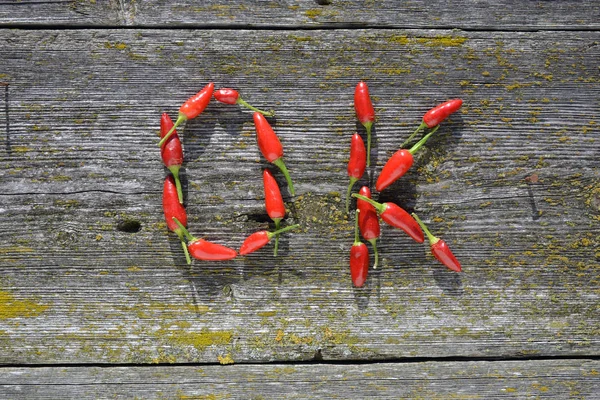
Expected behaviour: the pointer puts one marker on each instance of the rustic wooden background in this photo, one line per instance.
(96, 300)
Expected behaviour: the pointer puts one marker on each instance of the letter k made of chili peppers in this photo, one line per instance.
(191, 108)
(271, 147)
(364, 112)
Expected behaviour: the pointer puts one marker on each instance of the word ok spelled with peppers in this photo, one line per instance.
(368, 211)
(172, 156)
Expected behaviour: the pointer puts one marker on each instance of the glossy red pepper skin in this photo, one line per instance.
(273, 203)
(227, 96)
(364, 112)
(396, 216)
(268, 142)
(192, 107)
(439, 248)
(363, 105)
(368, 222)
(359, 264)
(204, 250)
(359, 258)
(399, 163)
(232, 96)
(270, 146)
(254, 242)
(171, 205)
(442, 252)
(356, 165)
(396, 166)
(273, 199)
(439, 113)
(259, 239)
(173, 208)
(171, 151)
(196, 104)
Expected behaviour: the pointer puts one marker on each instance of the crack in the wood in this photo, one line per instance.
(129, 25)
(317, 361)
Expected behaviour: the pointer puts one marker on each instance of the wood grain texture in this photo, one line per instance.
(559, 379)
(507, 14)
(71, 13)
(464, 14)
(511, 183)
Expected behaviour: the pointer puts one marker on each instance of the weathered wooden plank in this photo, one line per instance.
(61, 12)
(557, 379)
(388, 13)
(505, 14)
(511, 183)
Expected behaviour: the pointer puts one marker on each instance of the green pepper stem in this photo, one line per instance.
(423, 140)
(242, 102)
(356, 239)
(185, 231)
(281, 165)
(368, 125)
(407, 141)
(378, 206)
(175, 171)
(277, 226)
(374, 244)
(432, 239)
(353, 180)
(282, 230)
(179, 233)
(181, 118)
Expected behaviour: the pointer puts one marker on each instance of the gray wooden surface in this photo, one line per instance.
(95, 295)
(429, 380)
(461, 14)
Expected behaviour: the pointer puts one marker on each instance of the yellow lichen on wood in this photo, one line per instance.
(201, 340)
(14, 308)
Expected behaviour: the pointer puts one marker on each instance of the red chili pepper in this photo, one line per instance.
(232, 96)
(368, 221)
(202, 249)
(270, 146)
(364, 112)
(359, 258)
(439, 248)
(260, 239)
(273, 203)
(397, 217)
(356, 164)
(400, 162)
(437, 114)
(191, 108)
(171, 152)
(172, 208)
